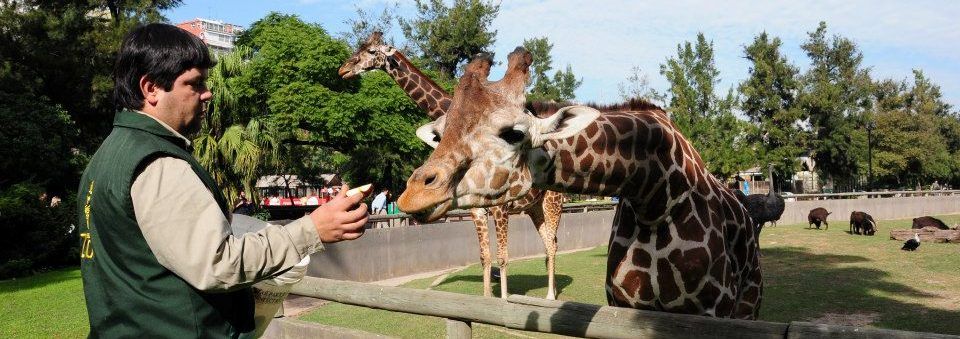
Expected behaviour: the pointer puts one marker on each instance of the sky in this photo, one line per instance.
(602, 40)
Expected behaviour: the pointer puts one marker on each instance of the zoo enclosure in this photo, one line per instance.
(390, 252)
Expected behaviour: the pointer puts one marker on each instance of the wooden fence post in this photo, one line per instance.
(458, 329)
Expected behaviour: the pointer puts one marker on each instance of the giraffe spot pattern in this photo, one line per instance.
(680, 242)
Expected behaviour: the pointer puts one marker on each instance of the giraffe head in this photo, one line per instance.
(372, 54)
(482, 143)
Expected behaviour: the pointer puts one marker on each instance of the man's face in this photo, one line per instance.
(185, 103)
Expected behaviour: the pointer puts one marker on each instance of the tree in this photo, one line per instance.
(362, 129)
(148, 9)
(364, 24)
(703, 117)
(541, 85)
(917, 136)
(908, 149)
(566, 84)
(836, 96)
(59, 55)
(561, 86)
(769, 100)
(234, 146)
(36, 145)
(925, 97)
(637, 86)
(448, 36)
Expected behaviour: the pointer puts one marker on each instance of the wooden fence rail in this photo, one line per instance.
(571, 318)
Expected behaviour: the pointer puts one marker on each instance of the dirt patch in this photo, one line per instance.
(853, 319)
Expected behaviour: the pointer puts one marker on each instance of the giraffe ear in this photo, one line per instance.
(563, 124)
(430, 132)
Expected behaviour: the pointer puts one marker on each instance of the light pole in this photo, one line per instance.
(870, 126)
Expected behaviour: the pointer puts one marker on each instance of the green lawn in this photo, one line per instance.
(48, 305)
(810, 275)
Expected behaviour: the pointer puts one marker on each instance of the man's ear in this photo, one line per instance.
(150, 90)
(430, 132)
(566, 122)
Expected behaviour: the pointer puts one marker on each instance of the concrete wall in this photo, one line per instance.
(386, 253)
(880, 208)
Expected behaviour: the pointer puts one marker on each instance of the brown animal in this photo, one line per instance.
(928, 221)
(818, 215)
(862, 223)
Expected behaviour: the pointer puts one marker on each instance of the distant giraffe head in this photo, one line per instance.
(374, 54)
(482, 160)
(370, 55)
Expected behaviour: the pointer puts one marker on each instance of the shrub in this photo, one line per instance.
(36, 237)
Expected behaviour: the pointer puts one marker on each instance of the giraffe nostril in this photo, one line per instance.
(429, 180)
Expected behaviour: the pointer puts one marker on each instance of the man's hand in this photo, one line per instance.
(341, 218)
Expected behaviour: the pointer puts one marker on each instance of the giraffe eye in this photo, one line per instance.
(511, 136)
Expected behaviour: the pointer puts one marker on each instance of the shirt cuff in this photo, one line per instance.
(304, 235)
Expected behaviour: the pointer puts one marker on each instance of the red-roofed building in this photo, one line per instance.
(216, 34)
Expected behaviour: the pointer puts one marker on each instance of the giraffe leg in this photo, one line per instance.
(480, 221)
(501, 217)
(546, 218)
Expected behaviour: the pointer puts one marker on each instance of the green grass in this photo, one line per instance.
(579, 278)
(47, 305)
(809, 274)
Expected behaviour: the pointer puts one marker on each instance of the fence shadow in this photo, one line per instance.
(516, 283)
(40, 280)
(822, 288)
(804, 286)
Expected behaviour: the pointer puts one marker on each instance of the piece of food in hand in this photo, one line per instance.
(360, 189)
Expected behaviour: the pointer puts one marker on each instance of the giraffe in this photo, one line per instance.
(680, 242)
(543, 207)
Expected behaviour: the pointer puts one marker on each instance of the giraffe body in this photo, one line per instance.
(543, 207)
(681, 242)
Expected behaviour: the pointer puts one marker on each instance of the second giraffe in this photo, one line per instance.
(543, 207)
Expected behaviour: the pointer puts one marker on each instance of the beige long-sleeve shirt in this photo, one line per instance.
(187, 232)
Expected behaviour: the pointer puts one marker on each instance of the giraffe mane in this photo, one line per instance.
(547, 108)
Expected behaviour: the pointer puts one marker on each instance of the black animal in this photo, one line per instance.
(912, 244)
(818, 215)
(861, 222)
(765, 208)
(922, 222)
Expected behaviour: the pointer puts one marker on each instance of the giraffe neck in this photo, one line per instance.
(427, 94)
(636, 155)
(680, 241)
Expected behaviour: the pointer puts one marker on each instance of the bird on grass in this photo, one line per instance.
(912, 244)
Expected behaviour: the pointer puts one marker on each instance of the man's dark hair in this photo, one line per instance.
(161, 52)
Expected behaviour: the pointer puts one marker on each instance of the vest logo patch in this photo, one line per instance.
(86, 249)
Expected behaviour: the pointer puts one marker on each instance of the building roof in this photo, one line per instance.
(329, 179)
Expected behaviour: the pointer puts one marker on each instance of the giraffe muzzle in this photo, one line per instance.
(427, 196)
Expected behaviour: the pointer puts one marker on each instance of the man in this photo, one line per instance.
(243, 206)
(158, 258)
(379, 204)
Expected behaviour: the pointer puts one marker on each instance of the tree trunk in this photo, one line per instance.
(927, 234)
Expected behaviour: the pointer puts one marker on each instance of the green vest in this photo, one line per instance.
(128, 292)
